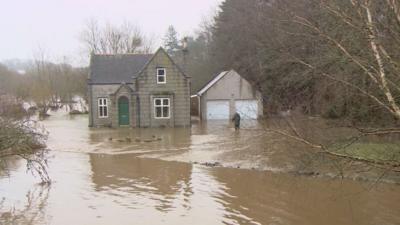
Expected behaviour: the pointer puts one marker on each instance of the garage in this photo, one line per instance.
(217, 110)
(225, 94)
(248, 109)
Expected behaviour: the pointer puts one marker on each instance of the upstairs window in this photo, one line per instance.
(161, 108)
(161, 76)
(103, 108)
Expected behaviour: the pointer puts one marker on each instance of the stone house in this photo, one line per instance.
(226, 94)
(138, 90)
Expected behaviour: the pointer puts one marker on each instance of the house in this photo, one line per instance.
(226, 94)
(138, 90)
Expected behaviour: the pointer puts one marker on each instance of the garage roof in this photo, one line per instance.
(212, 82)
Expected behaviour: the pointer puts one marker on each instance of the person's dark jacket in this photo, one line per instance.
(236, 119)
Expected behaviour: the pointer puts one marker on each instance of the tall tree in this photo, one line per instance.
(171, 43)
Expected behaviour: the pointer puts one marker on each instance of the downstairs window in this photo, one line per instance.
(161, 108)
(103, 108)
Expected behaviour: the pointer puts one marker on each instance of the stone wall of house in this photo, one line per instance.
(124, 91)
(177, 88)
(108, 91)
(141, 96)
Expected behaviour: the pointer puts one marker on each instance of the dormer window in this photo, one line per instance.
(161, 76)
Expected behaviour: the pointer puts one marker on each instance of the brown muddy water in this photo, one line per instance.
(144, 176)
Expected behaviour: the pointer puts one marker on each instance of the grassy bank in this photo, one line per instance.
(384, 152)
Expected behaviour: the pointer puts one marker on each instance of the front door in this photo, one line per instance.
(123, 111)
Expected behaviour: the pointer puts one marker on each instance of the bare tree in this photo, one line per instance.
(90, 36)
(24, 139)
(42, 83)
(370, 49)
(112, 39)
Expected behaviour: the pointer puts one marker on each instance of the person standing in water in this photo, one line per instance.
(236, 119)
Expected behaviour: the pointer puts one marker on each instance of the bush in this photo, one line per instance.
(11, 107)
(24, 139)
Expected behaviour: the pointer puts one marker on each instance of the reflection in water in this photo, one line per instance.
(204, 142)
(154, 183)
(33, 210)
(284, 199)
(233, 196)
(181, 192)
(100, 177)
(140, 141)
(124, 189)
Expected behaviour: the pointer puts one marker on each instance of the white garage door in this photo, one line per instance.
(217, 110)
(248, 109)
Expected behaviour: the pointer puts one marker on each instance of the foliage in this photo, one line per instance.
(197, 58)
(313, 55)
(46, 84)
(24, 139)
(171, 43)
(12, 83)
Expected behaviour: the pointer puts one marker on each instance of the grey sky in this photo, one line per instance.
(54, 25)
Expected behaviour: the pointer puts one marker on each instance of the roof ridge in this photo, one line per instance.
(123, 54)
(214, 80)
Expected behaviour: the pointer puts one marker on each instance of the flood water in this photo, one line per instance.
(144, 176)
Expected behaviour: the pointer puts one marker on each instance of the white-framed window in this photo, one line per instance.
(161, 76)
(103, 108)
(161, 108)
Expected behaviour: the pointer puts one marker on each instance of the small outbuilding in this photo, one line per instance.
(226, 94)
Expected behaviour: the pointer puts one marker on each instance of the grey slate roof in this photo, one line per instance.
(113, 69)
